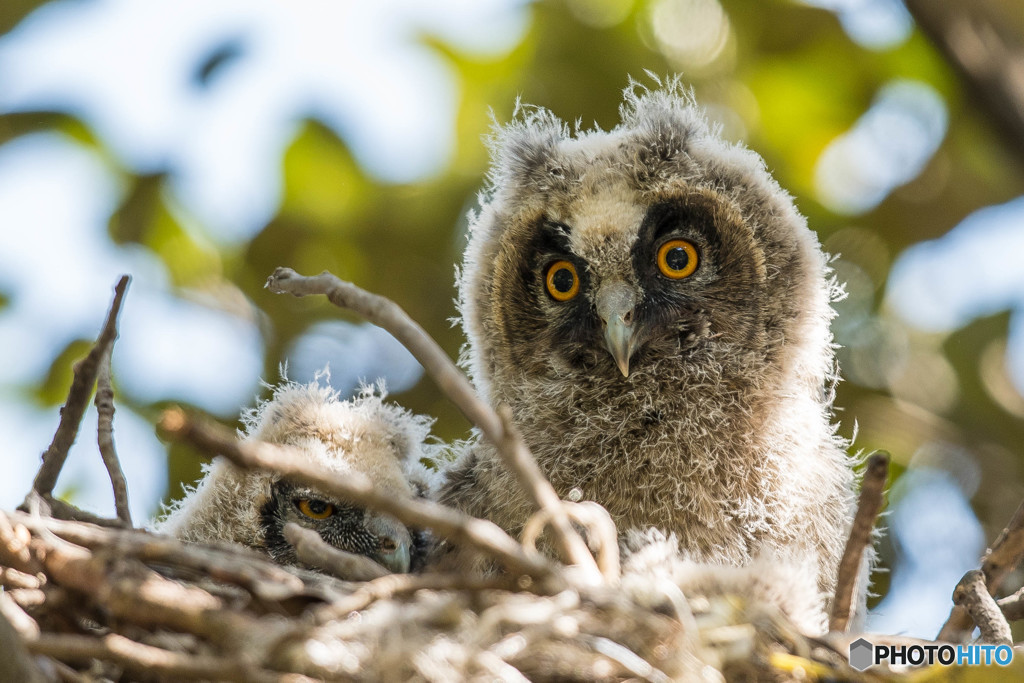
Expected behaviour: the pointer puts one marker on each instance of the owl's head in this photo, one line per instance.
(622, 257)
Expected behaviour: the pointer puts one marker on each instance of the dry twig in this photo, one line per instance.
(1001, 559)
(498, 430)
(85, 372)
(868, 506)
(147, 660)
(16, 664)
(986, 56)
(105, 439)
(972, 595)
(312, 550)
(1012, 606)
(479, 534)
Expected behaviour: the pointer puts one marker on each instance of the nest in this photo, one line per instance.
(90, 599)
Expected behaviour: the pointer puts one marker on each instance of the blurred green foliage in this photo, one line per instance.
(788, 81)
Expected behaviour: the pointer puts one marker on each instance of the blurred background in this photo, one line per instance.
(199, 145)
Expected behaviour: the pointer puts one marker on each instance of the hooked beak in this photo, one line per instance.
(395, 544)
(615, 303)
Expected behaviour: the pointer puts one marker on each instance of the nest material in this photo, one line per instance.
(95, 603)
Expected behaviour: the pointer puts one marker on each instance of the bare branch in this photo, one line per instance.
(392, 585)
(1012, 606)
(233, 564)
(987, 59)
(479, 534)
(105, 439)
(497, 427)
(868, 506)
(148, 660)
(78, 396)
(972, 595)
(16, 664)
(315, 552)
(1002, 558)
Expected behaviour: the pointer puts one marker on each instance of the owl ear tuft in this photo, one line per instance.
(524, 151)
(663, 123)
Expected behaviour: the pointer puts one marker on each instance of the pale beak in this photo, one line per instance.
(615, 303)
(395, 541)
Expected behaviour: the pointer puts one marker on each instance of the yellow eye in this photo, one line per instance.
(314, 509)
(562, 281)
(677, 259)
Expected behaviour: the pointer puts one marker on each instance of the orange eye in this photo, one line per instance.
(314, 509)
(677, 259)
(562, 281)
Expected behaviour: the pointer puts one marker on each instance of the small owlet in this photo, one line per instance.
(365, 435)
(655, 311)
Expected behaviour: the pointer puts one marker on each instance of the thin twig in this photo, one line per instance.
(484, 536)
(16, 664)
(128, 590)
(1012, 606)
(55, 507)
(16, 616)
(497, 427)
(71, 414)
(972, 595)
(312, 550)
(147, 660)
(985, 54)
(868, 506)
(392, 585)
(105, 439)
(999, 560)
(243, 567)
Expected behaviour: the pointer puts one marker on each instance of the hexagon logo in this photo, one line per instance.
(862, 654)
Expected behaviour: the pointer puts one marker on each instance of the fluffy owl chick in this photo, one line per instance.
(656, 312)
(364, 435)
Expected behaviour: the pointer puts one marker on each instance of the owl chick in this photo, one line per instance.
(364, 435)
(655, 311)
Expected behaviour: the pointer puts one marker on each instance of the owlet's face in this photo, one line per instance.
(342, 525)
(618, 281)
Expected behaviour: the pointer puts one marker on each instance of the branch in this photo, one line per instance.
(972, 595)
(16, 664)
(497, 429)
(315, 552)
(78, 396)
(868, 506)
(482, 535)
(1001, 559)
(105, 439)
(392, 585)
(1012, 606)
(148, 660)
(233, 564)
(984, 57)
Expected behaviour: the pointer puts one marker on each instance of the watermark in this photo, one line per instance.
(864, 653)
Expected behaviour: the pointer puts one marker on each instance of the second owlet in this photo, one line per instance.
(655, 311)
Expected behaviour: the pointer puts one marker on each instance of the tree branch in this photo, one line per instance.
(973, 596)
(868, 506)
(105, 439)
(315, 552)
(984, 56)
(148, 660)
(385, 313)
(1001, 559)
(78, 396)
